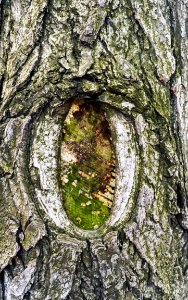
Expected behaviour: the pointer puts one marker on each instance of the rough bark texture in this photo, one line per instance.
(131, 58)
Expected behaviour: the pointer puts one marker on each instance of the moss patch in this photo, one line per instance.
(87, 165)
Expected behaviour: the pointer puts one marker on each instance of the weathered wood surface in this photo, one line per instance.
(130, 57)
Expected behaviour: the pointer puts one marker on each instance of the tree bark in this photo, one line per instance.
(130, 57)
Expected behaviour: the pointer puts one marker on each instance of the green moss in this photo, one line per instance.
(75, 133)
(87, 217)
(87, 166)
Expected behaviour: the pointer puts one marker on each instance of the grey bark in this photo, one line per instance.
(131, 57)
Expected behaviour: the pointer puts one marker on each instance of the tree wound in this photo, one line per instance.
(87, 165)
(53, 134)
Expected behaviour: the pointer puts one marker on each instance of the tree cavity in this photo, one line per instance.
(87, 165)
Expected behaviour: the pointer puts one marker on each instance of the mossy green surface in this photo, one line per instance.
(87, 161)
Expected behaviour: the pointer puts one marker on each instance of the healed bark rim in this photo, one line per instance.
(127, 161)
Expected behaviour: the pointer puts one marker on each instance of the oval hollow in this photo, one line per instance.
(87, 165)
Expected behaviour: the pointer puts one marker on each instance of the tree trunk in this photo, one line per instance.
(130, 59)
